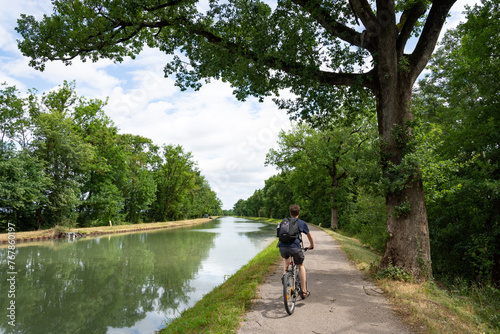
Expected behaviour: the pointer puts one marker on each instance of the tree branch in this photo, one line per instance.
(329, 78)
(364, 11)
(408, 20)
(335, 28)
(119, 31)
(163, 6)
(430, 34)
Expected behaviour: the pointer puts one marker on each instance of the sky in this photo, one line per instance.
(228, 139)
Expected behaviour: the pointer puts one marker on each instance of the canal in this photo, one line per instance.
(129, 283)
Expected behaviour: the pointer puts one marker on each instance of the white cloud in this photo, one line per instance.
(457, 12)
(229, 139)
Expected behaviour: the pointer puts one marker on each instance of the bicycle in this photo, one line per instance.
(291, 285)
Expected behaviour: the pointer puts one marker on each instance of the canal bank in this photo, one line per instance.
(60, 231)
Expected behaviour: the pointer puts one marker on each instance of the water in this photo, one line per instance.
(130, 283)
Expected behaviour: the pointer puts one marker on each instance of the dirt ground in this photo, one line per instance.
(341, 300)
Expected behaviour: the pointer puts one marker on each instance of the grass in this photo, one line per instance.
(361, 255)
(222, 310)
(426, 306)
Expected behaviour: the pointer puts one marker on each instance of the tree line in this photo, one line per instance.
(62, 161)
(334, 172)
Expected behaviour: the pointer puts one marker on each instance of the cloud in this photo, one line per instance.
(457, 12)
(229, 139)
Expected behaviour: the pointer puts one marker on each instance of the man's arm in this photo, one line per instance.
(311, 241)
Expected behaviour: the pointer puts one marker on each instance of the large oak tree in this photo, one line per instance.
(318, 49)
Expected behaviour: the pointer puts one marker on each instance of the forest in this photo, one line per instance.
(333, 172)
(64, 162)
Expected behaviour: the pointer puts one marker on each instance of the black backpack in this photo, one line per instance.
(288, 230)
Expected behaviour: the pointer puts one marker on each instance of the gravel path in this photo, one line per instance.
(341, 300)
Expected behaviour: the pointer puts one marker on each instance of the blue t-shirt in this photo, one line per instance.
(303, 228)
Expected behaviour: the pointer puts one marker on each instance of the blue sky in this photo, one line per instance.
(228, 139)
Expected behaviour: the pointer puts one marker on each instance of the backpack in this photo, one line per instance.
(288, 230)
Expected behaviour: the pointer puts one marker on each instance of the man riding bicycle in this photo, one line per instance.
(294, 249)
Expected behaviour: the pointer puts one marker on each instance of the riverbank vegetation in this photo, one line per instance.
(334, 171)
(63, 162)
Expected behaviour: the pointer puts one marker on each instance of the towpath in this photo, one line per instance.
(341, 300)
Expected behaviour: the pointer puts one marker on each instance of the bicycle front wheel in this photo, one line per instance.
(289, 294)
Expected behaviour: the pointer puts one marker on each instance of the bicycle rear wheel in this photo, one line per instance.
(289, 294)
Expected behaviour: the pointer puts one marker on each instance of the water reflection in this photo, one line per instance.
(128, 283)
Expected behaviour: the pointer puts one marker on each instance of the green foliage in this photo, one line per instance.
(402, 210)
(22, 186)
(392, 272)
(486, 299)
(277, 196)
(459, 146)
(316, 51)
(365, 219)
(203, 199)
(220, 311)
(325, 171)
(13, 123)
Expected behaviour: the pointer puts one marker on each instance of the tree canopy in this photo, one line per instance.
(310, 47)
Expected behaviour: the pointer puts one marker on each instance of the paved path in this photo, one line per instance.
(341, 300)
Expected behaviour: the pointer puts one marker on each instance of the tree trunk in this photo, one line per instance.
(408, 245)
(335, 218)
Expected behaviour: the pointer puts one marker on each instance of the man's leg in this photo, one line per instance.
(302, 275)
(286, 263)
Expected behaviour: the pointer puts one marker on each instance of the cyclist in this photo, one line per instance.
(294, 249)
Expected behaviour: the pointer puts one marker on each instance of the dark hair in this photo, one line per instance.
(294, 210)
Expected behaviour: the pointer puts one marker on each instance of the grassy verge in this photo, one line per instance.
(427, 307)
(221, 310)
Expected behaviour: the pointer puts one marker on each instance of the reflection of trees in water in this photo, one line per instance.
(100, 283)
(257, 236)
